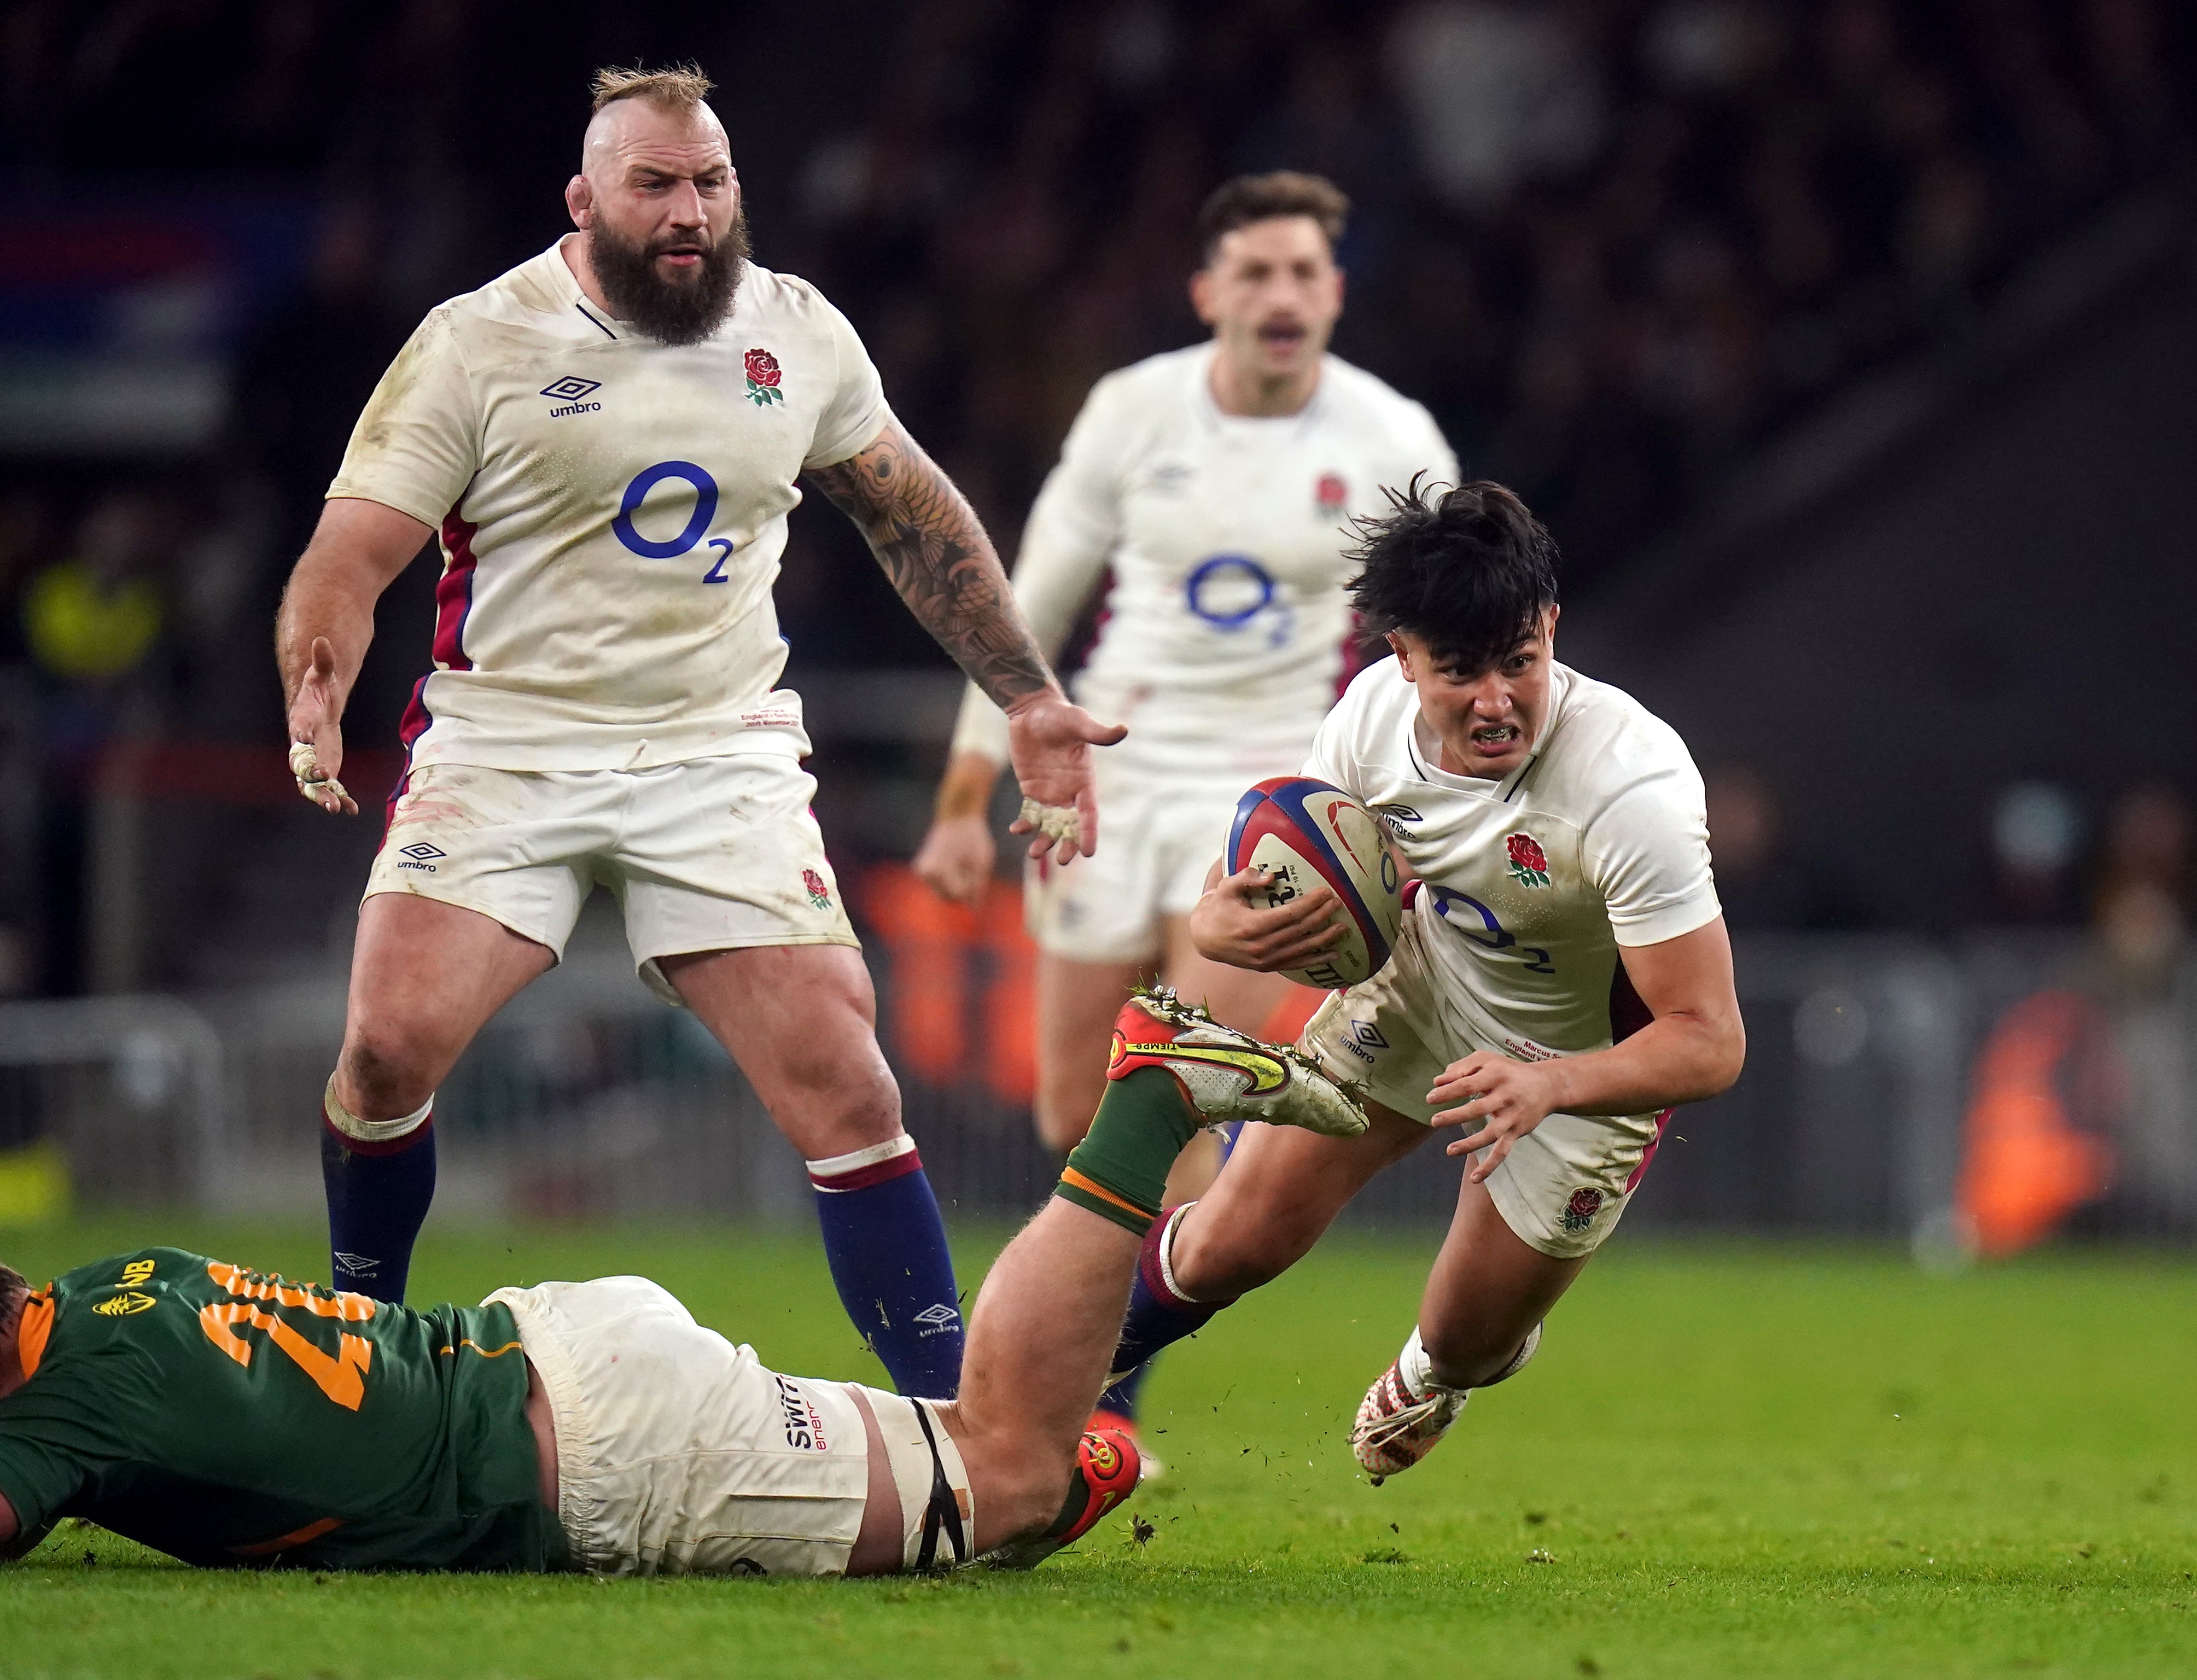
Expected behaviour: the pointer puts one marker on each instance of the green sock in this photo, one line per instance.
(1119, 1171)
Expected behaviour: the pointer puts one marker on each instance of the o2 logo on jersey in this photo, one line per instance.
(1229, 591)
(697, 522)
(1491, 935)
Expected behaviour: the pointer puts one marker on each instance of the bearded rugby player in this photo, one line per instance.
(234, 1419)
(608, 440)
(1561, 980)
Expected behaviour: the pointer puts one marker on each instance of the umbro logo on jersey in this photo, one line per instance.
(569, 394)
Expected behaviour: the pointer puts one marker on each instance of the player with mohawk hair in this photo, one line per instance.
(608, 441)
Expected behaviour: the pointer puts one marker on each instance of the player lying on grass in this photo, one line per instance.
(232, 1418)
(1561, 980)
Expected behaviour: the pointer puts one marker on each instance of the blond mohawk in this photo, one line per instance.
(681, 88)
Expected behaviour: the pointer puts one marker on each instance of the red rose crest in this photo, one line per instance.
(1529, 864)
(764, 375)
(1332, 493)
(819, 893)
(1579, 1211)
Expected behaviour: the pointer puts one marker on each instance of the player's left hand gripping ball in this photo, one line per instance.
(325, 791)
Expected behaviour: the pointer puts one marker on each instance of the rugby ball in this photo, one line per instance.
(1308, 835)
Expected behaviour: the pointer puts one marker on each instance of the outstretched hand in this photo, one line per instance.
(1049, 739)
(1505, 1099)
(316, 733)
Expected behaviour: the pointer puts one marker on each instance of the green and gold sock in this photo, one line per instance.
(1119, 1171)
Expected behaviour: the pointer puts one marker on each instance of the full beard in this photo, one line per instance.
(679, 311)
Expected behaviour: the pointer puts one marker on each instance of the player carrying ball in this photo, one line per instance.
(1562, 978)
(235, 1419)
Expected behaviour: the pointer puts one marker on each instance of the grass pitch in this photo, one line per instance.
(1727, 1461)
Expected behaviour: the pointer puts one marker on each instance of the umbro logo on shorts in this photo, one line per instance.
(569, 393)
(420, 855)
(1363, 1039)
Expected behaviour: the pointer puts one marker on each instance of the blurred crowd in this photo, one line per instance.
(1607, 240)
(1610, 242)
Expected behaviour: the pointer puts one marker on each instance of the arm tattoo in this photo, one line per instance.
(927, 538)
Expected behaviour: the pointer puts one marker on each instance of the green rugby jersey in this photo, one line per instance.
(229, 1417)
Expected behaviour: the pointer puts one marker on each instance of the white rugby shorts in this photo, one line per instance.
(707, 854)
(1565, 1185)
(678, 1453)
(1158, 836)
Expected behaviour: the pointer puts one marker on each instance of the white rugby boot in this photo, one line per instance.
(1406, 1412)
(1227, 1074)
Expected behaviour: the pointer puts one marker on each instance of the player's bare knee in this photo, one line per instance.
(834, 1115)
(382, 1074)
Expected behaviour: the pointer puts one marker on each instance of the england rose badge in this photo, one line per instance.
(1529, 864)
(764, 375)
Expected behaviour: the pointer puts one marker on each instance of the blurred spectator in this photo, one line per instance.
(92, 622)
(1609, 242)
(1500, 92)
(1763, 888)
(2035, 830)
(308, 368)
(2141, 907)
(91, 619)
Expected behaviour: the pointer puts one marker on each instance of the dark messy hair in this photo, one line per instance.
(1468, 570)
(1246, 199)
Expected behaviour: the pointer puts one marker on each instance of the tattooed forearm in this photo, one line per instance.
(927, 538)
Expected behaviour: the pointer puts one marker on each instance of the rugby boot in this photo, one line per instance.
(1227, 1075)
(1398, 1424)
(1107, 1418)
(1107, 1469)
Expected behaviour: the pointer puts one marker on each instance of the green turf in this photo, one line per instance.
(1727, 1461)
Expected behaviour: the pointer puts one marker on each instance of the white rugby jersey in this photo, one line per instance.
(1531, 883)
(1226, 622)
(612, 512)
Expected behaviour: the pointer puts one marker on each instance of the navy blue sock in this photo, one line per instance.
(378, 1199)
(1159, 1316)
(887, 1247)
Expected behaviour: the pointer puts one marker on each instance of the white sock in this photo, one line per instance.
(1417, 1368)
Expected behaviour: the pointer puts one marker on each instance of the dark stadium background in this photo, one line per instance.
(1849, 349)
